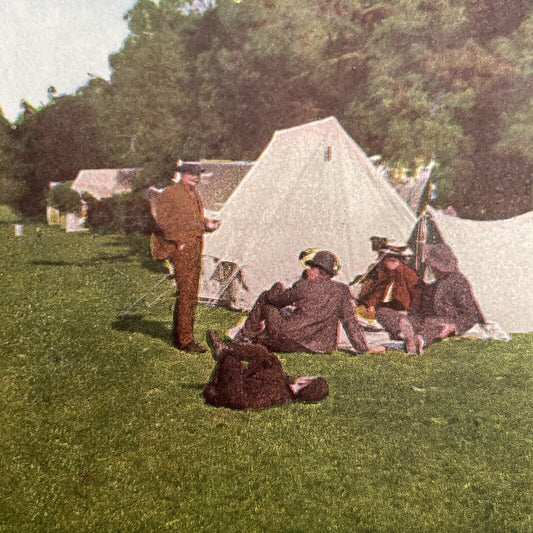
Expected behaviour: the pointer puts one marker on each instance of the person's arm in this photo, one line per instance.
(211, 225)
(279, 296)
(414, 286)
(369, 293)
(351, 326)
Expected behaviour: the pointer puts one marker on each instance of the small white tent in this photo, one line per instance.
(99, 183)
(494, 255)
(104, 182)
(311, 187)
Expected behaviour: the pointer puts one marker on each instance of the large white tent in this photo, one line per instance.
(311, 187)
(494, 255)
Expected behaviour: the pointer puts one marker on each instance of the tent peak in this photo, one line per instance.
(312, 124)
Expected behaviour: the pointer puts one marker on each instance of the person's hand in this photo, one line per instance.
(447, 330)
(213, 225)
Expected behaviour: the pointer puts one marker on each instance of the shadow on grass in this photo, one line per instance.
(138, 324)
(139, 246)
(96, 261)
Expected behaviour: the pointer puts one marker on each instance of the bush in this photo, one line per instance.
(11, 191)
(65, 199)
(100, 213)
(127, 213)
(133, 214)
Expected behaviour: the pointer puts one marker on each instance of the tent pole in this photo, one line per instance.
(363, 277)
(234, 273)
(164, 293)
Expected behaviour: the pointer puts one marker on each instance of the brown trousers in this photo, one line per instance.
(187, 269)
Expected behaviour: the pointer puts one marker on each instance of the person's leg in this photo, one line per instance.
(187, 268)
(390, 320)
(273, 336)
(413, 341)
(216, 344)
(254, 322)
(429, 328)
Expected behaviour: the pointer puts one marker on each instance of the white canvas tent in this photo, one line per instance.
(494, 256)
(99, 183)
(104, 182)
(311, 187)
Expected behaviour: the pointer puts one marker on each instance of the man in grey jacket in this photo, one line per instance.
(319, 303)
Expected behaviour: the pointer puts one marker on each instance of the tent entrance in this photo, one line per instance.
(222, 284)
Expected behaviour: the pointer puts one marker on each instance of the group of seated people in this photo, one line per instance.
(306, 317)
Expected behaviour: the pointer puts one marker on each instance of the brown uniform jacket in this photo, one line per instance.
(320, 306)
(405, 291)
(180, 214)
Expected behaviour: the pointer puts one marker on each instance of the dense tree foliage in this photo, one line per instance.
(59, 140)
(11, 166)
(124, 213)
(65, 199)
(408, 79)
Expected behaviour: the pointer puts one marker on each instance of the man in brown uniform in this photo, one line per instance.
(180, 217)
(320, 305)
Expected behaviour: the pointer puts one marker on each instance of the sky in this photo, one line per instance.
(55, 42)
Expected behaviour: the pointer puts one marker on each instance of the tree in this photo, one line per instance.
(65, 199)
(59, 140)
(434, 85)
(11, 184)
(408, 79)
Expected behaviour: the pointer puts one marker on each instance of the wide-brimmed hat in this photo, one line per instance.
(326, 261)
(400, 252)
(307, 255)
(190, 167)
(440, 257)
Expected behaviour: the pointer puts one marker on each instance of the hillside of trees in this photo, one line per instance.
(408, 79)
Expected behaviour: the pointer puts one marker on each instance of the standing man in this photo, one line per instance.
(180, 217)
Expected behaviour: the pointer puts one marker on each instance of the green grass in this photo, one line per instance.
(104, 427)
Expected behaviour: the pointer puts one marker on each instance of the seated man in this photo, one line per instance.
(450, 307)
(393, 290)
(319, 305)
(249, 376)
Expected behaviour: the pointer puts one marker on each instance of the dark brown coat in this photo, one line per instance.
(320, 307)
(180, 214)
(248, 376)
(405, 292)
(451, 301)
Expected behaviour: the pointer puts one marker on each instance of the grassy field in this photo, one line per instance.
(104, 427)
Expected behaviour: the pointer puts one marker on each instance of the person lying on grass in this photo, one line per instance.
(249, 376)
